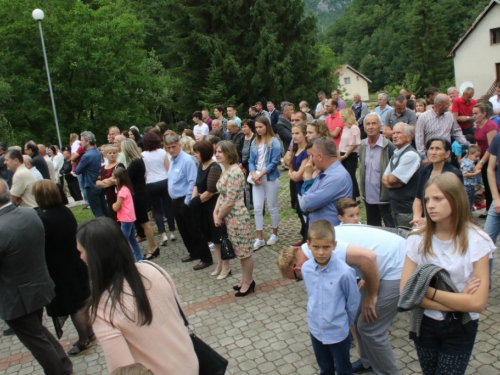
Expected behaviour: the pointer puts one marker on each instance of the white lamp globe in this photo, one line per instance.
(38, 14)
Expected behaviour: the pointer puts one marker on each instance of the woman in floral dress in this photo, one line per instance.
(230, 211)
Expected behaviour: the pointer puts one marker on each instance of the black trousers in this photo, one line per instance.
(351, 164)
(375, 213)
(74, 188)
(41, 343)
(192, 235)
(487, 190)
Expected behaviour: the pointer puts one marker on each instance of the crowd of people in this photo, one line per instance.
(416, 166)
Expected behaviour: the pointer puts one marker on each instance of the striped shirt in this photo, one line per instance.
(431, 125)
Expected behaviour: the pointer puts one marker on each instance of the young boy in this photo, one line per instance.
(467, 167)
(333, 300)
(348, 210)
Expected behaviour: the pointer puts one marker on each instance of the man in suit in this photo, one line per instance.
(25, 284)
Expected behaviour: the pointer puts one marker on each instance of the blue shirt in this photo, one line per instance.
(328, 187)
(89, 167)
(456, 148)
(494, 149)
(382, 113)
(333, 299)
(182, 177)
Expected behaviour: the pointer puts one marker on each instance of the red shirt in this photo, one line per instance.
(334, 122)
(463, 109)
(480, 135)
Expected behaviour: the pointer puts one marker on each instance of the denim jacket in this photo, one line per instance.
(273, 157)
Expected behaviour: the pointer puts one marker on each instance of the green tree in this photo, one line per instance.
(101, 73)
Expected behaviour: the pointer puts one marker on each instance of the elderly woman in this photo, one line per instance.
(133, 309)
(204, 199)
(231, 212)
(65, 267)
(106, 180)
(438, 153)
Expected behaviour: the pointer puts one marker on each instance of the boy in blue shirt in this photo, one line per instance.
(333, 300)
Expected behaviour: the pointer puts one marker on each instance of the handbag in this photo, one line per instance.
(249, 179)
(210, 362)
(226, 246)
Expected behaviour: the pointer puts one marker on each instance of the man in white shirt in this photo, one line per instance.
(377, 256)
(28, 163)
(495, 101)
(383, 106)
(200, 130)
(321, 111)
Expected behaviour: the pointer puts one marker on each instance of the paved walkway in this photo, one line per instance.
(264, 333)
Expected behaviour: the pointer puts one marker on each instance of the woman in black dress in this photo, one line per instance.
(66, 269)
(204, 199)
(137, 171)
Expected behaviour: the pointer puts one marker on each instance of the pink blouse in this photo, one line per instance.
(164, 347)
(350, 137)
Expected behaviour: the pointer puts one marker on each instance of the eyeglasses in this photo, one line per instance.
(297, 279)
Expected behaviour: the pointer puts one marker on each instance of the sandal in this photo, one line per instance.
(79, 349)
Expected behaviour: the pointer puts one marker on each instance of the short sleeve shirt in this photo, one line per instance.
(22, 184)
(460, 267)
(126, 214)
(481, 134)
(494, 149)
(201, 130)
(407, 167)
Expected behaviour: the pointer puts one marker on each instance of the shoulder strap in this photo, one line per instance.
(186, 323)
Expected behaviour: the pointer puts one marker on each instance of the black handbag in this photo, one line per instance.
(226, 246)
(210, 362)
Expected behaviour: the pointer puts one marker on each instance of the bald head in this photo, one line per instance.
(28, 161)
(42, 150)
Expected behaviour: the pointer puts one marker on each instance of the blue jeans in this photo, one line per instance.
(84, 191)
(492, 228)
(471, 193)
(333, 357)
(97, 201)
(128, 231)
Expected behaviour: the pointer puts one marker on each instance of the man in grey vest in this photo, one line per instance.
(25, 283)
(401, 176)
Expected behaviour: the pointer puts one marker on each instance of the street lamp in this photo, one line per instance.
(38, 16)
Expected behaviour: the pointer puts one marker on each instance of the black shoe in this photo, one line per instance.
(201, 266)
(152, 255)
(358, 368)
(8, 332)
(249, 290)
(189, 258)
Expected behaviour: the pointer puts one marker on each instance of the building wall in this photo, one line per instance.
(358, 85)
(475, 59)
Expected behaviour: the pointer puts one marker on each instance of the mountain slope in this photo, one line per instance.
(327, 11)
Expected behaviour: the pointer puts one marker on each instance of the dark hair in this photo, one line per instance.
(470, 138)
(151, 141)
(345, 203)
(431, 91)
(321, 93)
(250, 123)
(54, 149)
(446, 143)
(410, 104)
(163, 127)
(46, 194)
(253, 109)
(486, 108)
(15, 154)
(147, 129)
(33, 147)
(125, 133)
(258, 103)
(189, 133)
(334, 102)
(219, 108)
(214, 140)
(3, 146)
(122, 179)
(198, 115)
(303, 115)
(181, 126)
(216, 133)
(230, 106)
(111, 262)
(400, 99)
(137, 136)
(205, 149)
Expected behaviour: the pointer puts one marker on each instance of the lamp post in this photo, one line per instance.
(38, 16)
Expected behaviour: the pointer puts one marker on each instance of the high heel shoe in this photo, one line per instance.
(216, 271)
(249, 290)
(236, 287)
(152, 255)
(223, 276)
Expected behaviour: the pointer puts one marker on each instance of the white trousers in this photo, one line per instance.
(269, 190)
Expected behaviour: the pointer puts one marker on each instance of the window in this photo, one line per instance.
(347, 80)
(495, 35)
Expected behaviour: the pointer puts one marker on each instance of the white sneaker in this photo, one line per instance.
(211, 246)
(172, 237)
(272, 240)
(258, 244)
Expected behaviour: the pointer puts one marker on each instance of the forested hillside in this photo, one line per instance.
(326, 11)
(402, 41)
